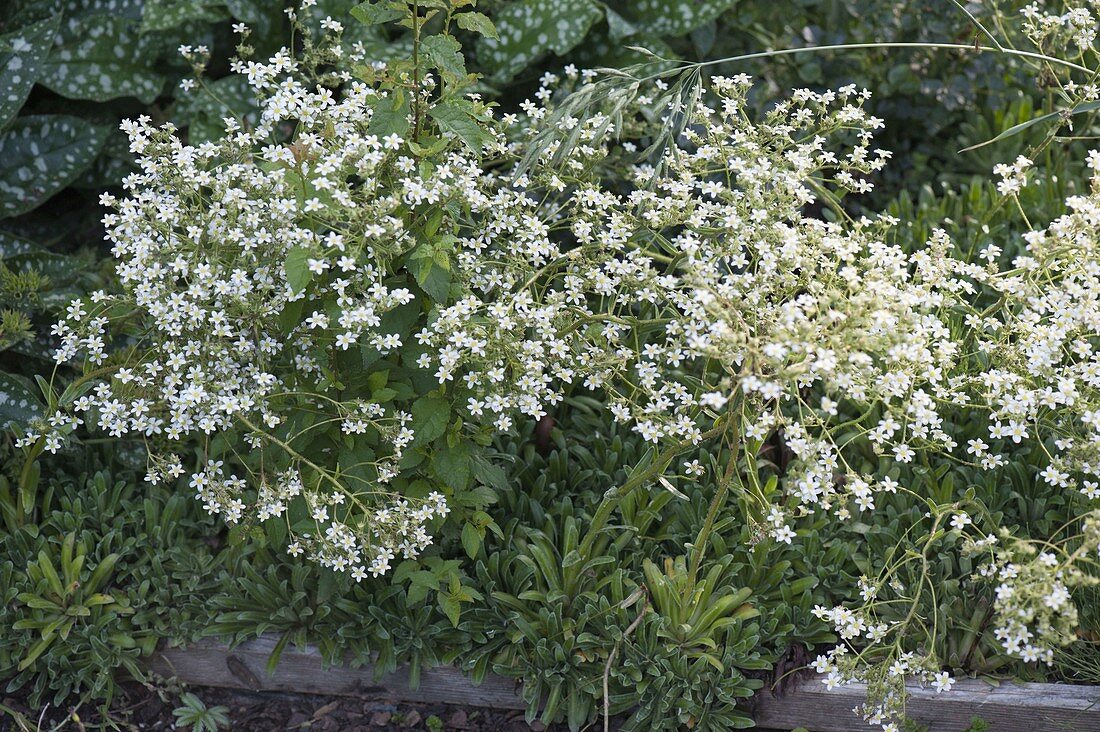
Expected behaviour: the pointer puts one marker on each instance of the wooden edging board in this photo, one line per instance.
(1008, 707)
(302, 671)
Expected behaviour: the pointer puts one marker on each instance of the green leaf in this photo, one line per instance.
(101, 573)
(445, 54)
(674, 17)
(22, 55)
(41, 155)
(429, 418)
(103, 57)
(297, 270)
(453, 610)
(12, 245)
(491, 475)
(36, 650)
(477, 23)
(160, 15)
(531, 28)
(459, 117)
(45, 566)
(430, 264)
(471, 540)
(18, 402)
(390, 115)
(452, 465)
(376, 13)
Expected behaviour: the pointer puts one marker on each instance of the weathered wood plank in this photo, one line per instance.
(1010, 707)
(208, 663)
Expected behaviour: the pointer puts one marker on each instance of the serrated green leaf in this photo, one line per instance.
(452, 465)
(445, 54)
(22, 56)
(459, 117)
(452, 609)
(491, 475)
(41, 155)
(477, 23)
(531, 28)
(430, 265)
(376, 13)
(297, 268)
(390, 115)
(429, 418)
(471, 540)
(103, 57)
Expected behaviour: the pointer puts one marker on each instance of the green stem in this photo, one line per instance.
(416, 72)
(295, 454)
(699, 546)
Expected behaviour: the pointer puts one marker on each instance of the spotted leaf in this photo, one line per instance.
(158, 15)
(103, 57)
(674, 17)
(42, 154)
(529, 29)
(18, 402)
(22, 55)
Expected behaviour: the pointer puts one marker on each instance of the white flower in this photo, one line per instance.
(942, 681)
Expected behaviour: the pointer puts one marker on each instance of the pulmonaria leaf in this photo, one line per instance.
(22, 55)
(42, 154)
(12, 245)
(103, 57)
(18, 402)
(674, 17)
(114, 163)
(159, 15)
(529, 29)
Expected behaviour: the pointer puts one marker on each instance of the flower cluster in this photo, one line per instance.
(1033, 600)
(1071, 31)
(247, 263)
(886, 682)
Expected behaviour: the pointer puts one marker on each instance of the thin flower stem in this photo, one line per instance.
(856, 46)
(698, 547)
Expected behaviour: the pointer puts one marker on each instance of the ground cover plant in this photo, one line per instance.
(607, 354)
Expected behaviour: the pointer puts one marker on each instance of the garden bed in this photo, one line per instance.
(1006, 707)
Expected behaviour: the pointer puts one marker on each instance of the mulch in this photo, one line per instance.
(140, 709)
